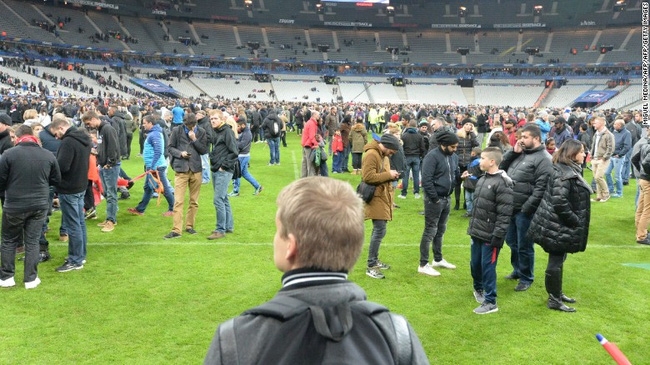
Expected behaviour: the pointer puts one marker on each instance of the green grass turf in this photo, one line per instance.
(144, 300)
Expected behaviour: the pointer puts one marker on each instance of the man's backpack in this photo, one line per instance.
(358, 332)
(276, 127)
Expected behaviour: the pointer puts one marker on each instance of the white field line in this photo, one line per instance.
(297, 170)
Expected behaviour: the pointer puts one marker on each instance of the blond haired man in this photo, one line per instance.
(601, 152)
(318, 239)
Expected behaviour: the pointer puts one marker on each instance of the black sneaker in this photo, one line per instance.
(69, 266)
(190, 230)
(521, 286)
(172, 235)
(44, 256)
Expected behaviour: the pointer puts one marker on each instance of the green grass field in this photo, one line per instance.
(144, 300)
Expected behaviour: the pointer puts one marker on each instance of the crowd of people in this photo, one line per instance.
(495, 163)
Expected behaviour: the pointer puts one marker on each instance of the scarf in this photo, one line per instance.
(578, 169)
(26, 138)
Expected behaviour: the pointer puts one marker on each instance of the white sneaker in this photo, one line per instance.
(428, 270)
(443, 263)
(7, 283)
(416, 196)
(33, 284)
(402, 196)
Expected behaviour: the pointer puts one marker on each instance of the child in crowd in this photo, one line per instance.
(487, 228)
(470, 178)
(550, 145)
(337, 151)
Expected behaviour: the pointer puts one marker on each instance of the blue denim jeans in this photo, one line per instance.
(205, 166)
(243, 162)
(220, 181)
(378, 233)
(435, 225)
(16, 228)
(616, 165)
(149, 188)
(337, 162)
(522, 251)
(483, 265)
(274, 148)
(626, 171)
(72, 215)
(109, 183)
(469, 199)
(411, 164)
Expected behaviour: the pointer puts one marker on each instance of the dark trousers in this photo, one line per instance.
(129, 140)
(522, 250)
(17, 227)
(378, 233)
(483, 265)
(435, 225)
(554, 273)
(356, 160)
(89, 197)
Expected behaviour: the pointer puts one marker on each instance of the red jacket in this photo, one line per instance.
(337, 143)
(309, 134)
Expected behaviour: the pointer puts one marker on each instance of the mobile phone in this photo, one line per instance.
(189, 154)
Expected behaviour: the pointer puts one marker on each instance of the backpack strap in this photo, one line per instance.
(404, 348)
(228, 342)
(397, 332)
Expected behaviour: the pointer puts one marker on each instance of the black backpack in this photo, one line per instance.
(349, 333)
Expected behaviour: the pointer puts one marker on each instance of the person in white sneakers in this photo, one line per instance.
(439, 175)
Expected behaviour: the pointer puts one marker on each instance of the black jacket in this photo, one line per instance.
(413, 143)
(179, 142)
(464, 151)
(108, 148)
(224, 149)
(26, 173)
(492, 207)
(561, 223)
(439, 174)
(529, 170)
(119, 123)
(73, 158)
(267, 125)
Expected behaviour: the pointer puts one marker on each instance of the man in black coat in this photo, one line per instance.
(26, 173)
(73, 158)
(529, 166)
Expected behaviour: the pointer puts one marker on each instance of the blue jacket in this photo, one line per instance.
(153, 149)
(622, 142)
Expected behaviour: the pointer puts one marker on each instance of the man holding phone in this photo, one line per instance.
(186, 145)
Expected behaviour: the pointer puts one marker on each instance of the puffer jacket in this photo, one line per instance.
(359, 137)
(492, 207)
(529, 170)
(561, 224)
(375, 170)
(464, 151)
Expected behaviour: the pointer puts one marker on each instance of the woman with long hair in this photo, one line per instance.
(466, 142)
(561, 223)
